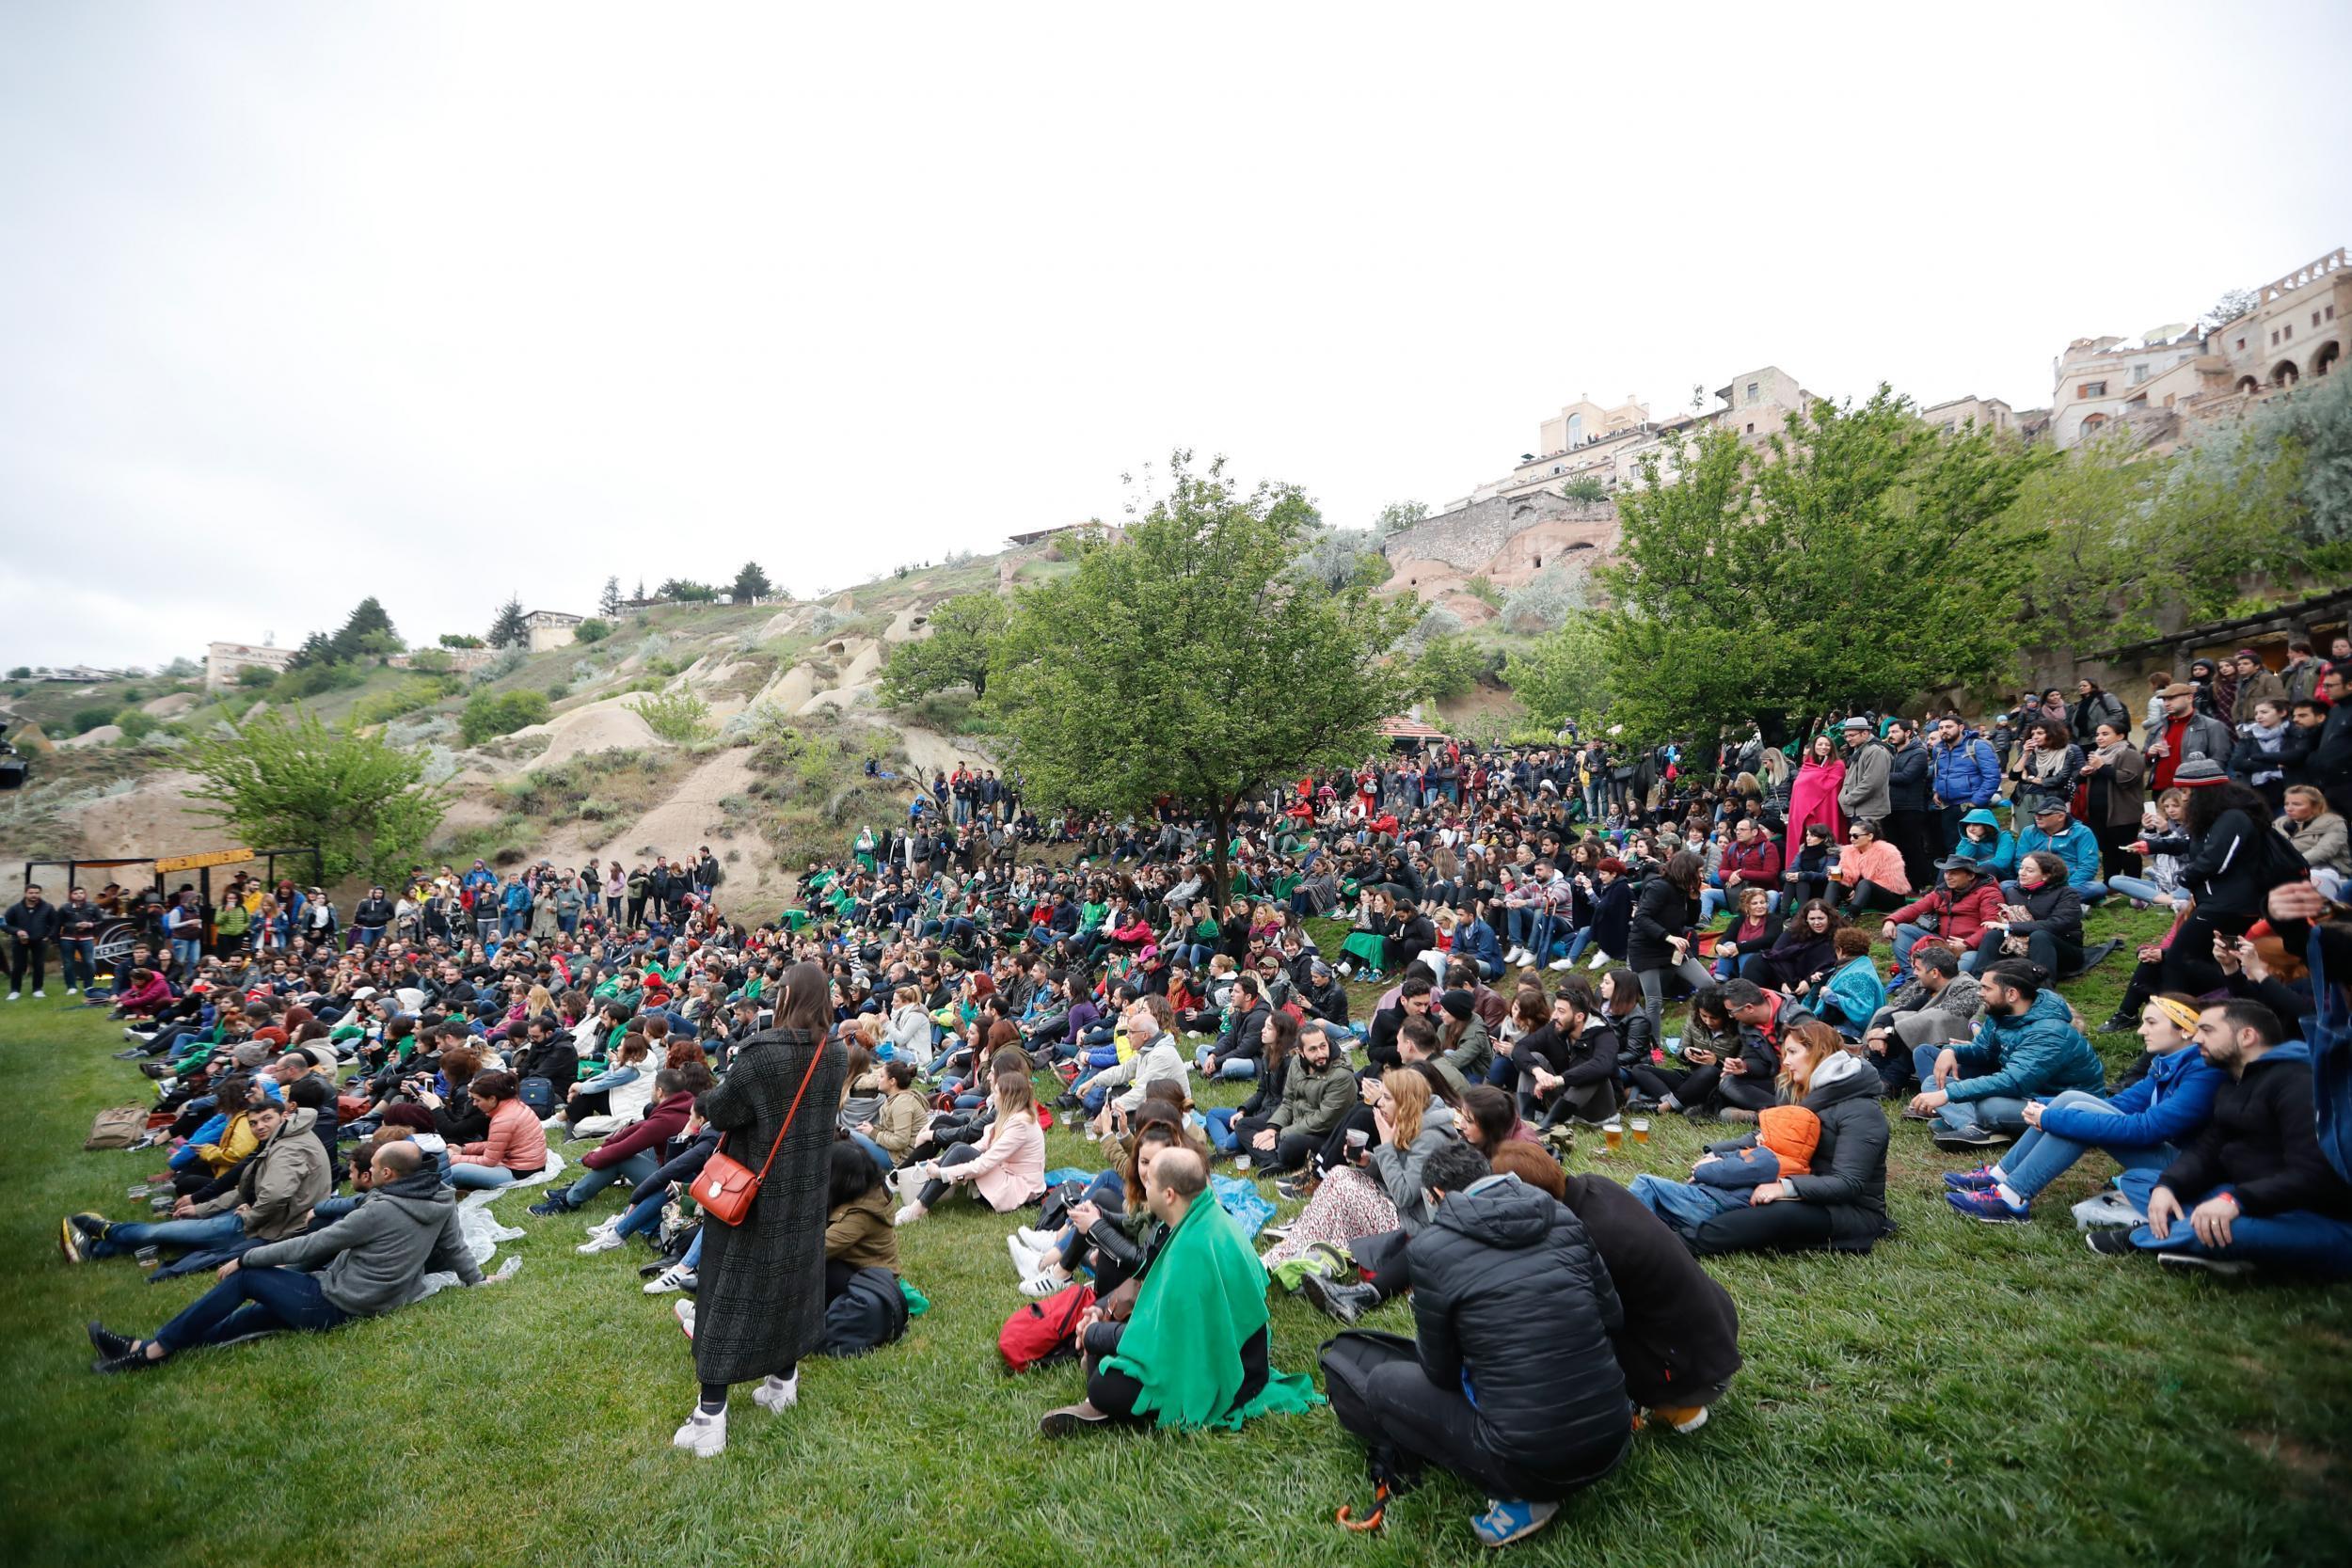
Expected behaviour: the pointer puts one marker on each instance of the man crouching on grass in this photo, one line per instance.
(381, 1252)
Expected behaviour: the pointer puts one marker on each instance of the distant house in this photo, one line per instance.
(1090, 531)
(222, 660)
(552, 629)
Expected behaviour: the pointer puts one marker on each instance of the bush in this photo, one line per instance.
(255, 675)
(556, 691)
(316, 680)
(1585, 487)
(87, 718)
(592, 630)
(678, 716)
(487, 717)
(1482, 588)
(1545, 604)
(506, 663)
(405, 698)
(136, 723)
(663, 666)
(416, 732)
(460, 640)
(432, 661)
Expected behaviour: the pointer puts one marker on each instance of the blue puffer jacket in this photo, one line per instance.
(2038, 1054)
(1967, 774)
(2165, 1107)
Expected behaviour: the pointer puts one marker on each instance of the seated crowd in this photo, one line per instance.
(1523, 918)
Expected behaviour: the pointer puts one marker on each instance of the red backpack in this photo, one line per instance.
(1044, 1330)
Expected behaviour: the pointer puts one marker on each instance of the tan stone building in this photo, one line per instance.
(222, 660)
(1988, 414)
(552, 629)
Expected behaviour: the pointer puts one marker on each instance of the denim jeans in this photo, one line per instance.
(874, 1152)
(1712, 900)
(643, 1219)
(1998, 1113)
(636, 1169)
(1907, 937)
(1684, 1205)
(2137, 887)
(187, 955)
(2299, 1239)
(211, 1230)
(78, 955)
(481, 1175)
(2039, 1158)
(1220, 1126)
(252, 1301)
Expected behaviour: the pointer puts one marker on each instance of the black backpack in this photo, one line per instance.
(871, 1312)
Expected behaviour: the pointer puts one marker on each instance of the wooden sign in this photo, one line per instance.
(196, 862)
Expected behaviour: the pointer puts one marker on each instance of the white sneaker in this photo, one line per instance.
(1037, 1240)
(1600, 960)
(1043, 1283)
(1027, 1261)
(1558, 965)
(39, 994)
(675, 1278)
(778, 1394)
(703, 1436)
(12, 995)
(600, 1241)
(685, 1310)
(73, 990)
(607, 1225)
(907, 1216)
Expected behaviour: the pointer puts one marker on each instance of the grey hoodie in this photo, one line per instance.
(383, 1249)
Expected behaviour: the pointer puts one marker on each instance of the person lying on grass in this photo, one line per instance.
(376, 1259)
(1183, 1345)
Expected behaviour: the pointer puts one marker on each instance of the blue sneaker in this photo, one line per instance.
(1990, 1207)
(1976, 1180)
(1505, 1521)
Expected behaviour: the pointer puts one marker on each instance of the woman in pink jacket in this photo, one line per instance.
(1007, 1166)
(516, 1147)
(1870, 873)
(1814, 796)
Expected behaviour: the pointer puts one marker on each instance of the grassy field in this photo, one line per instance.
(1965, 1396)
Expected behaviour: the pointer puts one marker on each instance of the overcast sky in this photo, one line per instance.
(441, 303)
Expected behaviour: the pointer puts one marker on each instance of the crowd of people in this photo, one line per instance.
(1515, 923)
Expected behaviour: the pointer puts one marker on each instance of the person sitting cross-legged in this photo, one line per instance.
(2255, 1187)
(1511, 1380)
(2143, 1127)
(376, 1259)
(2027, 1048)
(270, 1197)
(1184, 1344)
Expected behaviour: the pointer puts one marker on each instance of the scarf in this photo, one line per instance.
(2268, 739)
(1201, 1299)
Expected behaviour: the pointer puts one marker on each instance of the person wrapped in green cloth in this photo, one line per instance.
(1183, 1345)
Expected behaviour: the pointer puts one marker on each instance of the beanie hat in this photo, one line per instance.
(1457, 1003)
(2199, 772)
(251, 1053)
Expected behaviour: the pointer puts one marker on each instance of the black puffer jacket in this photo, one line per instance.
(1681, 1333)
(1659, 911)
(1514, 1307)
(1850, 1165)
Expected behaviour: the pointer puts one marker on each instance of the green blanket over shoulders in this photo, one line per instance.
(1201, 1299)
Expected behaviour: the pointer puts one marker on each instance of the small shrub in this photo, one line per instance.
(1545, 604)
(255, 675)
(416, 732)
(592, 630)
(486, 715)
(583, 670)
(506, 663)
(87, 718)
(136, 723)
(556, 691)
(596, 809)
(432, 661)
(651, 645)
(676, 716)
(1482, 588)
(663, 666)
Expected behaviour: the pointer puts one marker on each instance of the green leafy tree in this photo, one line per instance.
(366, 632)
(1561, 676)
(487, 715)
(1861, 558)
(1448, 667)
(507, 630)
(460, 640)
(1395, 517)
(1585, 487)
(686, 591)
(750, 583)
(22, 672)
(1187, 661)
(609, 602)
(253, 676)
(287, 779)
(315, 650)
(592, 630)
(87, 718)
(964, 632)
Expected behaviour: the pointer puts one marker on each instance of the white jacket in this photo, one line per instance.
(909, 1033)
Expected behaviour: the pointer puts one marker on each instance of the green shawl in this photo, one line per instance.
(1201, 1299)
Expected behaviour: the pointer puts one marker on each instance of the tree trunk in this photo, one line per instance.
(1221, 824)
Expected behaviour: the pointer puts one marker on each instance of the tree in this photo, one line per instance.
(287, 779)
(686, 591)
(22, 672)
(592, 630)
(964, 633)
(2232, 304)
(366, 630)
(182, 670)
(609, 602)
(1396, 516)
(1862, 558)
(1448, 666)
(460, 640)
(750, 583)
(508, 630)
(1185, 661)
(316, 649)
(639, 595)
(1561, 676)
(1585, 487)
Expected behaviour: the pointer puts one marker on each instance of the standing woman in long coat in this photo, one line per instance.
(761, 1302)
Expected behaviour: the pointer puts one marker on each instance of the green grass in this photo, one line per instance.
(1965, 1395)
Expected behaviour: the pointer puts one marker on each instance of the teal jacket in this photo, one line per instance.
(1996, 856)
(2034, 1056)
(1857, 990)
(2075, 846)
